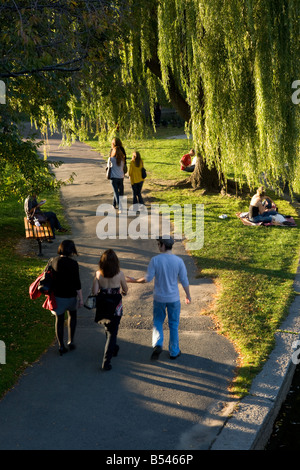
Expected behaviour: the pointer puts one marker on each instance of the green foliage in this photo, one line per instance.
(233, 63)
(51, 51)
(236, 63)
(98, 67)
(22, 170)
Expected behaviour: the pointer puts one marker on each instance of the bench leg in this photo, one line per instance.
(40, 248)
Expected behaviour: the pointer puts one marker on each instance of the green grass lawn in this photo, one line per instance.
(253, 267)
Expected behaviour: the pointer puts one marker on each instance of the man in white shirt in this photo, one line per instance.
(166, 268)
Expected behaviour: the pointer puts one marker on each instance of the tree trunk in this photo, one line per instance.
(202, 176)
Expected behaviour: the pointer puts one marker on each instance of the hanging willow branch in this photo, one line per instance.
(233, 63)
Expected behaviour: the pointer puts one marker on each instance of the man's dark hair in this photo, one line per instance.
(167, 241)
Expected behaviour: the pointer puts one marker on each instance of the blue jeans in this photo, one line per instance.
(118, 187)
(159, 315)
(264, 217)
(189, 169)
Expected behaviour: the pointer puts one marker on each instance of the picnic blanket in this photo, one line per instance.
(287, 222)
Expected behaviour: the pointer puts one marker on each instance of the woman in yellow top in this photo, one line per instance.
(135, 175)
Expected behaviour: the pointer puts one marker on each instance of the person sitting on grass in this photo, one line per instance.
(257, 211)
(269, 204)
(186, 163)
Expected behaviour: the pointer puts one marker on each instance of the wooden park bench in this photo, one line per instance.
(44, 232)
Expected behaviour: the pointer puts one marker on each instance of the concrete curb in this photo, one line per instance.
(251, 424)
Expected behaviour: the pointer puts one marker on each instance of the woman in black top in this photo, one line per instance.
(67, 292)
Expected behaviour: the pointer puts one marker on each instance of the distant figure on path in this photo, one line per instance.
(116, 142)
(117, 162)
(136, 179)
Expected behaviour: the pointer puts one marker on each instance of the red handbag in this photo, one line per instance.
(50, 302)
(34, 293)
(37, 287)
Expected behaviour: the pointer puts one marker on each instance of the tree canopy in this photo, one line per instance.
(227, 67)
(47, 52)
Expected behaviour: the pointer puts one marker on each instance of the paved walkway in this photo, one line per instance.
(69, 403)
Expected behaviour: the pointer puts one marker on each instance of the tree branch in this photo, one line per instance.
(49, 68)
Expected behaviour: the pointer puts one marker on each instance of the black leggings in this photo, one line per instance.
(59, 327)
(111, 331)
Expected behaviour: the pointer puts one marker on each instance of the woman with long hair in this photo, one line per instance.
(116, 142)
(116, 161)
(136, 179)
(67, 291)
(108, 284)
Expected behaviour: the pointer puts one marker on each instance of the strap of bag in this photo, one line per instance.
(48, 264)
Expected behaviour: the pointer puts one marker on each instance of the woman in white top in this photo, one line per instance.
(108, 285)
(116, 162)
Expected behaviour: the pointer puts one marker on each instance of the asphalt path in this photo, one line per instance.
(68, 402)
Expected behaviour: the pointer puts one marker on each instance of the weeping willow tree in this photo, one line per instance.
(243, 56)
(236, 63)
(228, 68)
